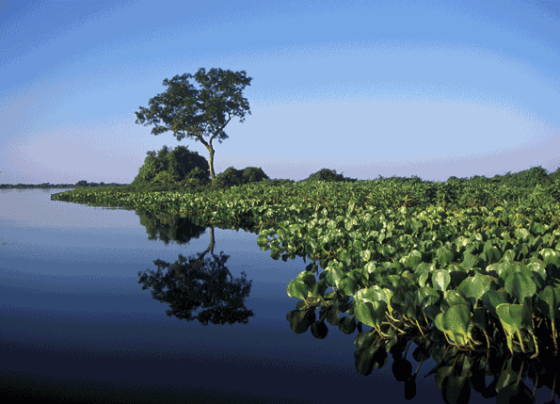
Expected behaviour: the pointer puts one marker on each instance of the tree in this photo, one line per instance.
(178, 107)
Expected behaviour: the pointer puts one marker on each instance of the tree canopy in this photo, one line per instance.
(179, 106)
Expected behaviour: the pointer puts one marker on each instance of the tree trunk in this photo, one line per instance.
(211, 162)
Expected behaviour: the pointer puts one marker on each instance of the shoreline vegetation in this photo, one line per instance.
(531, 177)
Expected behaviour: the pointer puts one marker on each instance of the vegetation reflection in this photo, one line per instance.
(195, 282)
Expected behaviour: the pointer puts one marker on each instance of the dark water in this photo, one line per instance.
(75, 322)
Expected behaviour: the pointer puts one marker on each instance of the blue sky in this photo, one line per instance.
(368, 88)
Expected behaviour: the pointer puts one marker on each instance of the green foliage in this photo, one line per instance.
(197, 176)
(165, 178)
(328, 175)
(253, 174)
(554, 175)
(523, 179)
(185, 165)
(533, 176)
(278, 182)
(230, 177)
(173, 167)
(233, 177)
(152, 166)
(179, 105)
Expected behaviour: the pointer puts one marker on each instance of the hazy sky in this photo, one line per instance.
(368, 88)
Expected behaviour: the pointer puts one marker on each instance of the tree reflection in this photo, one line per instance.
(195, 282)
(166, 227)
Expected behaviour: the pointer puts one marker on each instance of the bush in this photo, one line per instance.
(164, 178)
(253, 174)
(233, 177)
(172, 168)
(328, 175)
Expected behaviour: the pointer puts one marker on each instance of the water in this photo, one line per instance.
(75, 321)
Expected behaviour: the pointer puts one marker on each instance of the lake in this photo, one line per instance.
(76, 321)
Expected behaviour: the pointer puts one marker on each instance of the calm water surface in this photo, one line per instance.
(75, 320)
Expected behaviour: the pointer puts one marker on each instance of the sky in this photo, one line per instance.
(367, 88)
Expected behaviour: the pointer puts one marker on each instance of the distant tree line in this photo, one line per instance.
(181, 169)
(79, 184)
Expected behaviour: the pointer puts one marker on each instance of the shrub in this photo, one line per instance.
(328, 175)
(233, 177)
(173, 167)
(253, 174)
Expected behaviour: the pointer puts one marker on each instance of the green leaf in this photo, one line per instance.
(262, 240)
(454, 323)
(359, 277)
(308, 278)
(550, 256)
(319, 288)
(514, 318)
(440, 280)
(426, 296)
(347, 286)
(520, 285)
(431, 311)
(453, 297)
(444, 255)
(374, 294)
(297, 289)
(548, 300)
(479, 318)
(493, 299)
(474, 287)
(402, 369)
(334, 275)
(365, 255)
(369, 313)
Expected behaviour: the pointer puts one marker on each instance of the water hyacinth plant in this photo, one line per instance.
(462, 268)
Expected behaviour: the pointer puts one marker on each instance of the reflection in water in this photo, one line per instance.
(200, 283)
(167, 228)
(196, 282)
